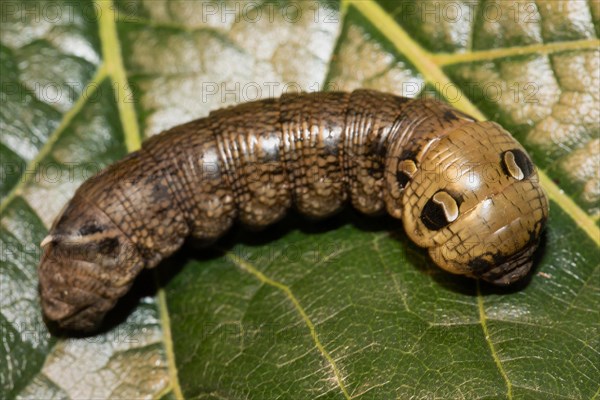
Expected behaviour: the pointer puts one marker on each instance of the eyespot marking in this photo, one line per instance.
(406, 170)
(440, 211)
(448, 205)
(402, 179)
(517, 164)
(408, 167)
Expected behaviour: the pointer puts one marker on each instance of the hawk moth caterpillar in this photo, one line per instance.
(312, 151)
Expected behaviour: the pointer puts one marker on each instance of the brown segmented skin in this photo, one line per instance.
(465, 190)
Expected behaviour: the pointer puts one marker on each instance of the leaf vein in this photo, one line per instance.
(245, 266)
(488, 339)
(444, 59)
(92, 86)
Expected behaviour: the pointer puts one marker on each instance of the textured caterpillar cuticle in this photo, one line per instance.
(315, 152)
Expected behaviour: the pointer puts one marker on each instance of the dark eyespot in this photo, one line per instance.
(440, 211)
(517, 164)
(406, 170)
(402, 179)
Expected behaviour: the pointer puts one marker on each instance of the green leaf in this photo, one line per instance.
(342, 308)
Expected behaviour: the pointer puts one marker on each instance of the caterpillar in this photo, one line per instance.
(465, 190)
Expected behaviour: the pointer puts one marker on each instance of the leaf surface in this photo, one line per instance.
(341, 308)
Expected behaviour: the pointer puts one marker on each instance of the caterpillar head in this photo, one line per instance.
(473, 198)
(87, 264)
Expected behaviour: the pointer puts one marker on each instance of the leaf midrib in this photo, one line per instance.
(112, 58)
